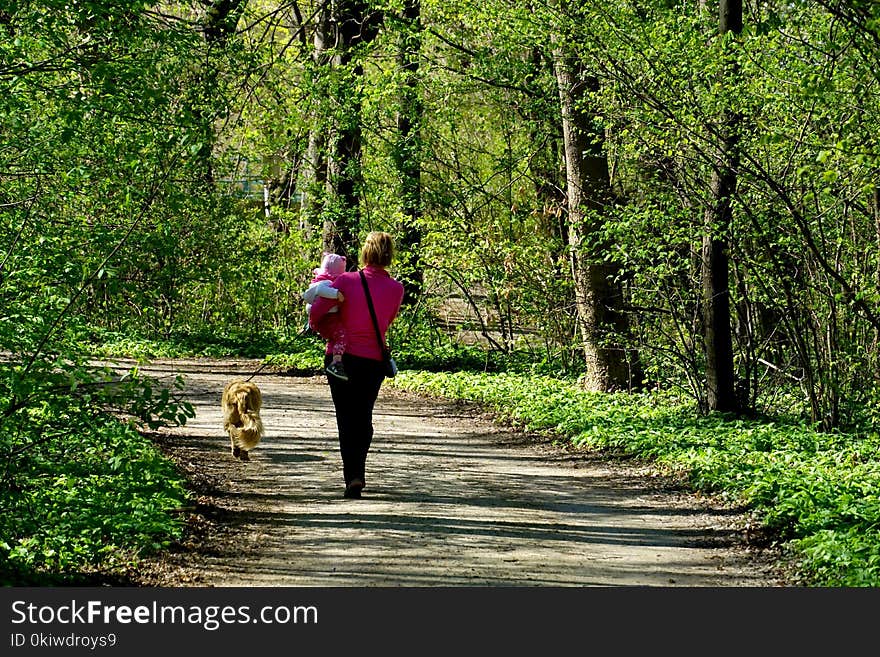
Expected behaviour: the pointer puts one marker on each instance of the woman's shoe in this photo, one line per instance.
(353, 490)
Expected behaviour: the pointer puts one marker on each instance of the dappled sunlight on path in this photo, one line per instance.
(451, 500)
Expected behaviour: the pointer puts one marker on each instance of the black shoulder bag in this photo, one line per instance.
(387, 359)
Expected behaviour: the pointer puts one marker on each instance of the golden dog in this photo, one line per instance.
(241, 404)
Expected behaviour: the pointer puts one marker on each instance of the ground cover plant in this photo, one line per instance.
(84, 491)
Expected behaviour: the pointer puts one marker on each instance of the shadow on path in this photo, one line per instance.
(451, 500)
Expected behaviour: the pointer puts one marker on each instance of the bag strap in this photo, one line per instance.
(382, 348)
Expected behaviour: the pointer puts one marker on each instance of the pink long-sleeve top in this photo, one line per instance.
(354, 314)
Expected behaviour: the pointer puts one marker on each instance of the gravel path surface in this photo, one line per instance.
(452, 499)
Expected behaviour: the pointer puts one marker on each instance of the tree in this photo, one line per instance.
(315, 170)
(408, 150)
(603, 324)
(218, 25)
(718, 340)
(355, 25)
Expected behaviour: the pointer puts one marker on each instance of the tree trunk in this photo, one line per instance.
(219, 24)
(344, 177)
(315, 166)
(876, 211)
(599, 299)
(408, 150)
(355, 25)
(717, 337)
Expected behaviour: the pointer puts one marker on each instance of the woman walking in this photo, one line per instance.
(354, 398)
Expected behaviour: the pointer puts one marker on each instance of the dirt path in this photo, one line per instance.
(451, 500)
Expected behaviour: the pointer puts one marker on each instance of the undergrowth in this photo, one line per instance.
(83, 491)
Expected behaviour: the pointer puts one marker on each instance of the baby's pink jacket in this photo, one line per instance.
(387, 295)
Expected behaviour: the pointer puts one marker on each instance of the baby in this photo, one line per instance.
(332, 265)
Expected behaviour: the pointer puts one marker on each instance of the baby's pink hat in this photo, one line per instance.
(332, 264)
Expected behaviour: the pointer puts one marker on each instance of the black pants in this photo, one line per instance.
(354, 400)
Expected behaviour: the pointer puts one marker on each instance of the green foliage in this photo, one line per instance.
(819, 492)
(82, 488)
(841, 558)
(132, 143)
(95, 501)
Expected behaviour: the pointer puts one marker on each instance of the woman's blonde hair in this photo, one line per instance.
(378, 250)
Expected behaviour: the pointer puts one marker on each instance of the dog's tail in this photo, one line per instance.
(251, 425)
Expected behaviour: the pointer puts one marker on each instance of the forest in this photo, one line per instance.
(646, 226)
